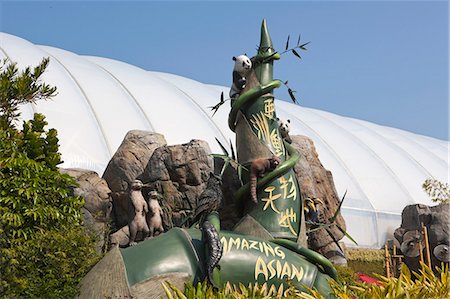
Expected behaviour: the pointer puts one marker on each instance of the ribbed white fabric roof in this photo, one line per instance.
(99, 100)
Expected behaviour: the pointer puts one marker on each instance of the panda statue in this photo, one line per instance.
(284, 127)
(242, 66)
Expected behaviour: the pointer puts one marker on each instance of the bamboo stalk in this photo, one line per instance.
(394, 260)
(387, 261)
(427, 245)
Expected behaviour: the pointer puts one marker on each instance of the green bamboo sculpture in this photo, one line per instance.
(253, 119)
(180, 255)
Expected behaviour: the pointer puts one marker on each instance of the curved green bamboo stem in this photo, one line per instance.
(248, 97)
(312, 256)
(279, 171)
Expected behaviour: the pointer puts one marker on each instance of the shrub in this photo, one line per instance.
(44, 251)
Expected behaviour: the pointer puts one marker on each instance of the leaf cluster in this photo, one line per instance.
(230, 291)
(50, 265)
(229, 159)
(18, 88)
(44, 250)
(424, 284)
(438, 191)
(331, 222)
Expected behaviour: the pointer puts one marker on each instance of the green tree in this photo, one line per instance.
(438, 191)
(44, 250)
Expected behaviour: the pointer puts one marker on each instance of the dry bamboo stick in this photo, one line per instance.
(387, 261)
(427, 245)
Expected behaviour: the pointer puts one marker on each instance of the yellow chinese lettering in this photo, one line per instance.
(269, 108)
(287, 218)
(270, 200)
(288, 187)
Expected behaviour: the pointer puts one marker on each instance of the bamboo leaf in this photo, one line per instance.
(332, 219)
(346, 234)
(240, 174)
(291, 94)
(287, 43)
(222, 147)
(224, 167)
(233, 156)
(303, 46)
(298, 41)
(296, 53)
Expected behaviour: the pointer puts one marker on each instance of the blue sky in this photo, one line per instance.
(381, 61)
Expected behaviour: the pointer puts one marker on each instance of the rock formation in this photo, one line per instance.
(437, 221)
(97, 202)
(179, 173)
(317, 182)
(127, 164)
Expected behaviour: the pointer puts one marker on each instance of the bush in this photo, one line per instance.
(423, 285)
(44, 251)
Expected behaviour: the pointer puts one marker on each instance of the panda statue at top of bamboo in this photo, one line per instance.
(242, 67)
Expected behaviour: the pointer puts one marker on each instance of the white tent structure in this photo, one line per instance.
(99, 100)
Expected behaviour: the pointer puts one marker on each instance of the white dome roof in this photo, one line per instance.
(99, 100)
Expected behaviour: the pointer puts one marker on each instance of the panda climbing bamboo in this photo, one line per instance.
(242, 67)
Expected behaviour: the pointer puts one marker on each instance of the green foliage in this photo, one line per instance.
(19, 88)
(48, 265)
(203, 290)
(229, 160)
(346, 274)
(438, 191)
(33, 192)
(44, 250)
(424, 284)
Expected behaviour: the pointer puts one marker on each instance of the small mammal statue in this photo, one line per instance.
(257, 169)
(214, 250)
(242, 66)
(138, 223)
(154, 216)
(284, 127)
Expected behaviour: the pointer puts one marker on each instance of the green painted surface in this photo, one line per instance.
(171, 252)
(279, 201)
(245, 260)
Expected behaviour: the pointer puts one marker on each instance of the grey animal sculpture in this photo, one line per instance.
(154, 215)
(137, 222)
(209, 200)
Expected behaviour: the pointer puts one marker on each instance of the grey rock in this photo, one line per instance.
(179, 173)
(97, 202)
(437, 221)
(317, 182)
(127, 164)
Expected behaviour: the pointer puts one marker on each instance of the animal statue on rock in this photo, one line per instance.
(139, 210)
(154, 215)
